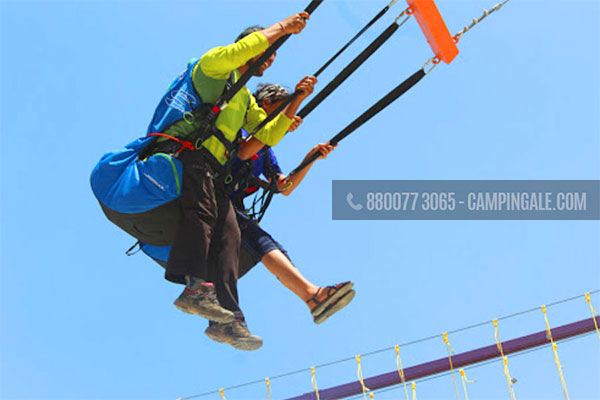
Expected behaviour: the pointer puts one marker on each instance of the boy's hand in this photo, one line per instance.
(306, 85)
(323, 148)
(295, 124)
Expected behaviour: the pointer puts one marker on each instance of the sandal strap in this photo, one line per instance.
(331, 290)
(314, 298)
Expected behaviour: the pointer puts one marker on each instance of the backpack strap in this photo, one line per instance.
(208, 114)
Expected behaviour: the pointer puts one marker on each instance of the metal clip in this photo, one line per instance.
(435, 61)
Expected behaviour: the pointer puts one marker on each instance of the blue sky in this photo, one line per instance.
(80, 320)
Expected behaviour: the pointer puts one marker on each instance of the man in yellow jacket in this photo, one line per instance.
(209, 230)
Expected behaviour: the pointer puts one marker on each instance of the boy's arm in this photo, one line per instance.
(270, 134)
(287, 185)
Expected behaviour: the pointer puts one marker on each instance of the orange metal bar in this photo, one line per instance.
(433, 26)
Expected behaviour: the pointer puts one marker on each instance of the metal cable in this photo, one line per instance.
(482, 364)
(403, 345)
(478, 20)
(460, 34)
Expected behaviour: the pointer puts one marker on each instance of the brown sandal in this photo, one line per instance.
(335, 307)
(334, 294)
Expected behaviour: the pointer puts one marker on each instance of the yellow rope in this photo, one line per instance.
(222, 393)
(594, 313)
(313, 380)
(360, 378)
(554, 349)
(269, 394)
(413, 387)
(464, 382)
(450, 351)
(509, 380)
(401, 370)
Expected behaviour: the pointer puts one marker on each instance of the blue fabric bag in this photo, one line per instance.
(140, 196)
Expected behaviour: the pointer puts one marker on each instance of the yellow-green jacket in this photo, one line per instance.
(209, 78)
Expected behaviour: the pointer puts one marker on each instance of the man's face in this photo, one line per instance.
(262, 68)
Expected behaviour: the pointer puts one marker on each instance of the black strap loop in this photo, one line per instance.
(132, 250)
(363, 30)
(350, 68)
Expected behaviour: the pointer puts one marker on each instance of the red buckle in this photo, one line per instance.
(184, 143)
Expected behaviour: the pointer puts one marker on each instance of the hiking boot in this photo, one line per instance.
(200, 298)
(234, 333)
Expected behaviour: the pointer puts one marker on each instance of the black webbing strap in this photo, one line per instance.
(228, 144)
(262, 198)
(276, 112)
(340, 78)
(367, 115)
(350, 68)
(205, 117)
(228, 95)
(363, 30)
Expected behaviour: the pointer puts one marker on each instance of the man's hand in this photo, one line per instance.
(295, 124)
(306, 85)
(323, 148)
(295, 23)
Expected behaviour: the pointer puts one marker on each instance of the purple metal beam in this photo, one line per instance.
(458, 361)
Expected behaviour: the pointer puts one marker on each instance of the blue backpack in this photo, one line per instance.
(141, 194)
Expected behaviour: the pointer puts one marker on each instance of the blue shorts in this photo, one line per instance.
(256, 243)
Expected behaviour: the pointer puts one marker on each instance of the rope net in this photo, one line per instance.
(388, 359)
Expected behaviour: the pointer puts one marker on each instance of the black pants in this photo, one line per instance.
(207, 243)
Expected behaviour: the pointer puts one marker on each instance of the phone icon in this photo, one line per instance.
(356, 207)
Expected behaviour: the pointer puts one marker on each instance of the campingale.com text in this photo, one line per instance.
(476, 201)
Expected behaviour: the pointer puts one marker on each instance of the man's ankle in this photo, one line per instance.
(194, 284)
(239, 316)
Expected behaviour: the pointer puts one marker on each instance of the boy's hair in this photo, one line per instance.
(271, 91)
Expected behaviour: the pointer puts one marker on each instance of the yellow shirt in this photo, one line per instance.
(210, 76)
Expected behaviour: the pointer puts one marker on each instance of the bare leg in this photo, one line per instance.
(280, 266)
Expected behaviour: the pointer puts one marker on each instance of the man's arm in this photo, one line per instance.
(220, 61)
(293, 24)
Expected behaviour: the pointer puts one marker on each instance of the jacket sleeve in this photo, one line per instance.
(271, 133)
(220, 61)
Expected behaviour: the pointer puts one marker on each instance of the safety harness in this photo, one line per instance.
(205, 116)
